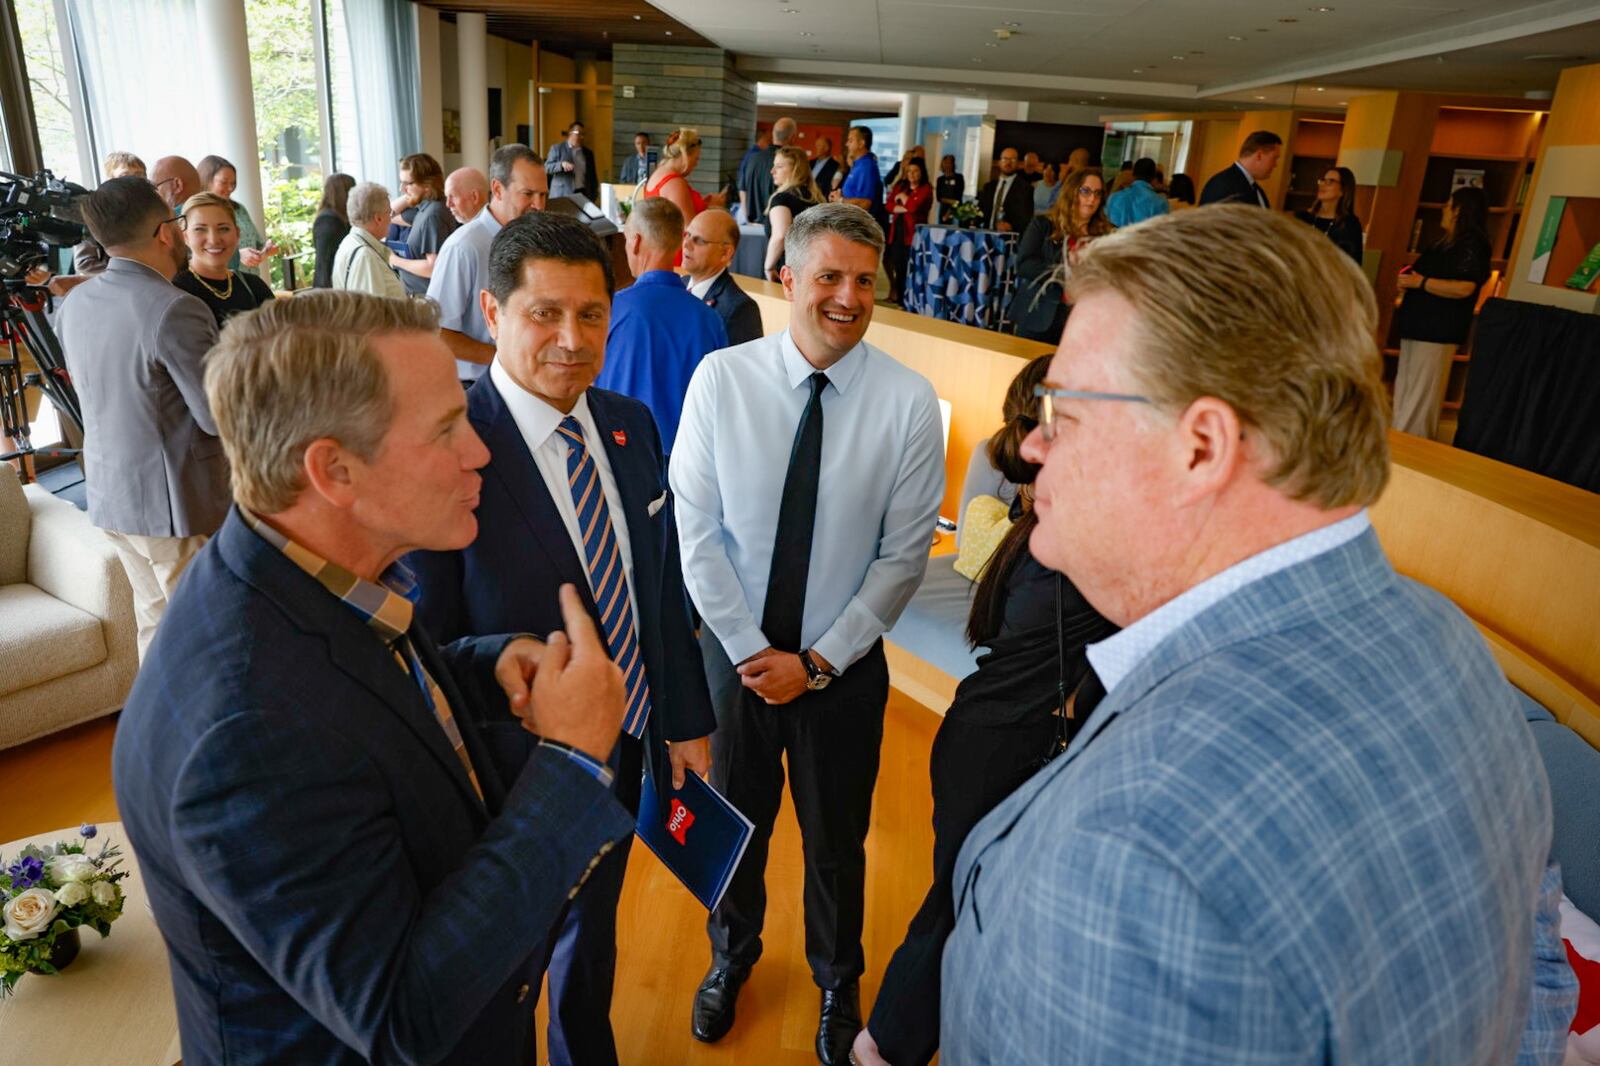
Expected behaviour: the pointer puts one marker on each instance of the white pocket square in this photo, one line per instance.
(656, 505)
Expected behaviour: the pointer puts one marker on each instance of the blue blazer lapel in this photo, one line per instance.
(718, 288)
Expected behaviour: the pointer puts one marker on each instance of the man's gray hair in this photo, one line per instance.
(844, 220)
(659, 222)
(507, 157)
(367, 200)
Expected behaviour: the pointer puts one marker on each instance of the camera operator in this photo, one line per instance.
(156, 476)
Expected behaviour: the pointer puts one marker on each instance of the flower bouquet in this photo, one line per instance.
(46, 894)
(967, 213)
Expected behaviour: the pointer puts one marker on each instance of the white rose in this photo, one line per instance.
(29, 914)
(105, 893)
(70, 867)
(72, 893)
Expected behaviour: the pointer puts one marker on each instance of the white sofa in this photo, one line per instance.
(68, 641)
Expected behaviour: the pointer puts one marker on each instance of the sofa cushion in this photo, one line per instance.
(933, 626)
(15, 520)
(42, 638)
(1573, 768)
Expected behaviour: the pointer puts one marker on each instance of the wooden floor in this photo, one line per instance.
(66, 779)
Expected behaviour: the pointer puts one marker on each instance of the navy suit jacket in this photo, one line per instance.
(506, 581)
(740, 315)
(329, 886)
(1231, 186)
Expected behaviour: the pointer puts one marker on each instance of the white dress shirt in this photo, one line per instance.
(699, 289)
(537, 421)
(1116, 657)
(996, 209)
(879, 490)
(1255, 188)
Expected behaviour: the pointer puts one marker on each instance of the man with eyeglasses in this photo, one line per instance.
(659, 332)
(157, 480)
(176, 179)
(1304, 820)
(708, 249)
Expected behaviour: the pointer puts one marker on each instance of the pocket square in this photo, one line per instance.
(656, 505)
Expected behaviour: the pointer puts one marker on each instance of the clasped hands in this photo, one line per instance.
(777, 676)
(568, 690)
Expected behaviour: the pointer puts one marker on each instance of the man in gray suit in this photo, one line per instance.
(1307, 823)
(570, 166)
(157, 478)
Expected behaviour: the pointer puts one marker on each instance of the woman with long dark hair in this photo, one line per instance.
(329, 227)
(1335, 211)
(1038, 304)
(907, 202)
(1438, 294)
(219, 176)
(1005, 723)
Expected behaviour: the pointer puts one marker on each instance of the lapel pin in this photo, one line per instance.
(621, 437)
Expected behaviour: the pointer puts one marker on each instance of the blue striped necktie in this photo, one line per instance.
(607, 577)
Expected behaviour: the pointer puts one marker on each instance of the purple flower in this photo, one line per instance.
(25, 873)
(87, 830)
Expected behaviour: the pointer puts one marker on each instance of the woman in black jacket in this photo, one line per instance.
(1335, 211)
(329, 227)
(1038, 304)
(1438, 295)
(1005, 723)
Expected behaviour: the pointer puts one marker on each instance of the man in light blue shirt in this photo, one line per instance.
(800, 548)
(1139, 200)
(1307, 822)
(517, 185)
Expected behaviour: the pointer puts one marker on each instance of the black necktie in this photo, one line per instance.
(785, 608)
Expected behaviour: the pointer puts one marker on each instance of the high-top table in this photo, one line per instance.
(114, 1003)
(960, 275)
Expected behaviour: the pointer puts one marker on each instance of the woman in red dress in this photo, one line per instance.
(908, 201)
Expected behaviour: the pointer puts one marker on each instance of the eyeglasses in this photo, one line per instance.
(700, 242)
(1048, 394)
(1090, 194)
(181, 220)
(1329, 181)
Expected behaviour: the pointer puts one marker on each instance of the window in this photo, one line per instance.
(49, 80)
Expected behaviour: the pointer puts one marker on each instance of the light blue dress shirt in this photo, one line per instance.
(1115, 657)
(460, 272)
(880, 486)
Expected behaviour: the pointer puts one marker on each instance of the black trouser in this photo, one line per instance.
(895, 258)
(831, 739)
(973, 768)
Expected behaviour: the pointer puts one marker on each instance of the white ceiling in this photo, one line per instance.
(1146, 54)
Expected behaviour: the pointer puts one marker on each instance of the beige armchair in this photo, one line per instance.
(68, 649)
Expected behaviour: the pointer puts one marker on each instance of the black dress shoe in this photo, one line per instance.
(839, 1024)
(713, 1003)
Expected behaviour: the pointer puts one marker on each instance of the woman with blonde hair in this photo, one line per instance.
(679, 156)
(212, 234)
(1038, 306)
(796, 191)
(429, 223)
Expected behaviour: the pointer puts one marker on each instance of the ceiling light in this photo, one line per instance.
(1105, 98)
(1344, 103)
(1322, 10)
(1138, 70)
(791, 11)
(975, 59)
(1288, 20)
(638, 18)
(807, 33)
(1320, 89)
(669, 33)
(1261, 98)
(1014, 25)
(786, 103)
(1234, 37)
(1180, 57)
(990, 44)
(1083, 101)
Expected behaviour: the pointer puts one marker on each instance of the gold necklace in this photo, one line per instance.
(224, 294)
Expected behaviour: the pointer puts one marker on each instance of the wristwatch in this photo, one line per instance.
(817, 678)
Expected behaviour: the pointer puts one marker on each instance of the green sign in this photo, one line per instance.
(1547, 239)
(1587, 271)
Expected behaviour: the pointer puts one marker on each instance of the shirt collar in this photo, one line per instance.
(371, 241)
(486, 219)
(387, 608)
(1116, 657)
(699, 289)
(1251, 178)
(840, 375)
(536, 419)
(660, 277)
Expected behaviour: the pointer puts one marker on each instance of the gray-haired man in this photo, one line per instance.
(800, 549)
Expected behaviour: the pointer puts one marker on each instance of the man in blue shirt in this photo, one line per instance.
(863, 186)
(659, 332)
(1138, 201)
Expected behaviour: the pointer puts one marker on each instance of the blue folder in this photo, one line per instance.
(697, 833)
(400, 248)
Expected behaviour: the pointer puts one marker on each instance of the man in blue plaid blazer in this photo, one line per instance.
(1307, 823)
(347, 860)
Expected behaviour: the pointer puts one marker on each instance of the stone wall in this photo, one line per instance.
(675, 86)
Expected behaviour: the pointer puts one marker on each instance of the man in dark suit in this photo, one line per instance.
(824, 167)
(575, 481)
(341, 868)
(1258, 158)
(1006, 200)
(570, 166)
(708, 248)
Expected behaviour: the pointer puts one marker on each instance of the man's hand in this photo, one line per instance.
(776, 676)
(689, 755)
(566, 164)
(515, 670)
(578, 697)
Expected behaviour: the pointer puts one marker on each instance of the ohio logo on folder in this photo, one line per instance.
(697, 834)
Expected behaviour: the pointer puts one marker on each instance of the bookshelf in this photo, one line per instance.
(1314, 150)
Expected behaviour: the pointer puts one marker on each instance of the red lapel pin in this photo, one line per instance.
(621, 437)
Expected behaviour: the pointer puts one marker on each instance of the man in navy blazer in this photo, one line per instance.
(1258, 158)
(575, 476)
(709, 244)
(1307, 823)
(351, 849)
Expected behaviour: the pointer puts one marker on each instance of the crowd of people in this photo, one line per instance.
(436, 571)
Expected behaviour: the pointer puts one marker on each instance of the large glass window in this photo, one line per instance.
(283, 71)
(52, 97)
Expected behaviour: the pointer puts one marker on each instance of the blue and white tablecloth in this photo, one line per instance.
(960, 275)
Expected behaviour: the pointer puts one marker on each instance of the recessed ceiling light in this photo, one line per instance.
(807, 33)
(791, 11)
(1261, 98)
(1180, 57)
(1344, 103)
(1320, 89)
(669, 33)
(638, 18)
(1105, 98)
(1138, 70)
(1321, 10)
(1014, 25)
(990, 44)
(1288, 20)
(975, 59)
(1234, 37)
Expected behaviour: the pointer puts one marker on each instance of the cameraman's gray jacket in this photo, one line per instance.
(135, 345)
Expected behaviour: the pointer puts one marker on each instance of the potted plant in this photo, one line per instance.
(46, 895)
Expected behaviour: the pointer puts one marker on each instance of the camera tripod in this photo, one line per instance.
(23, 325)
